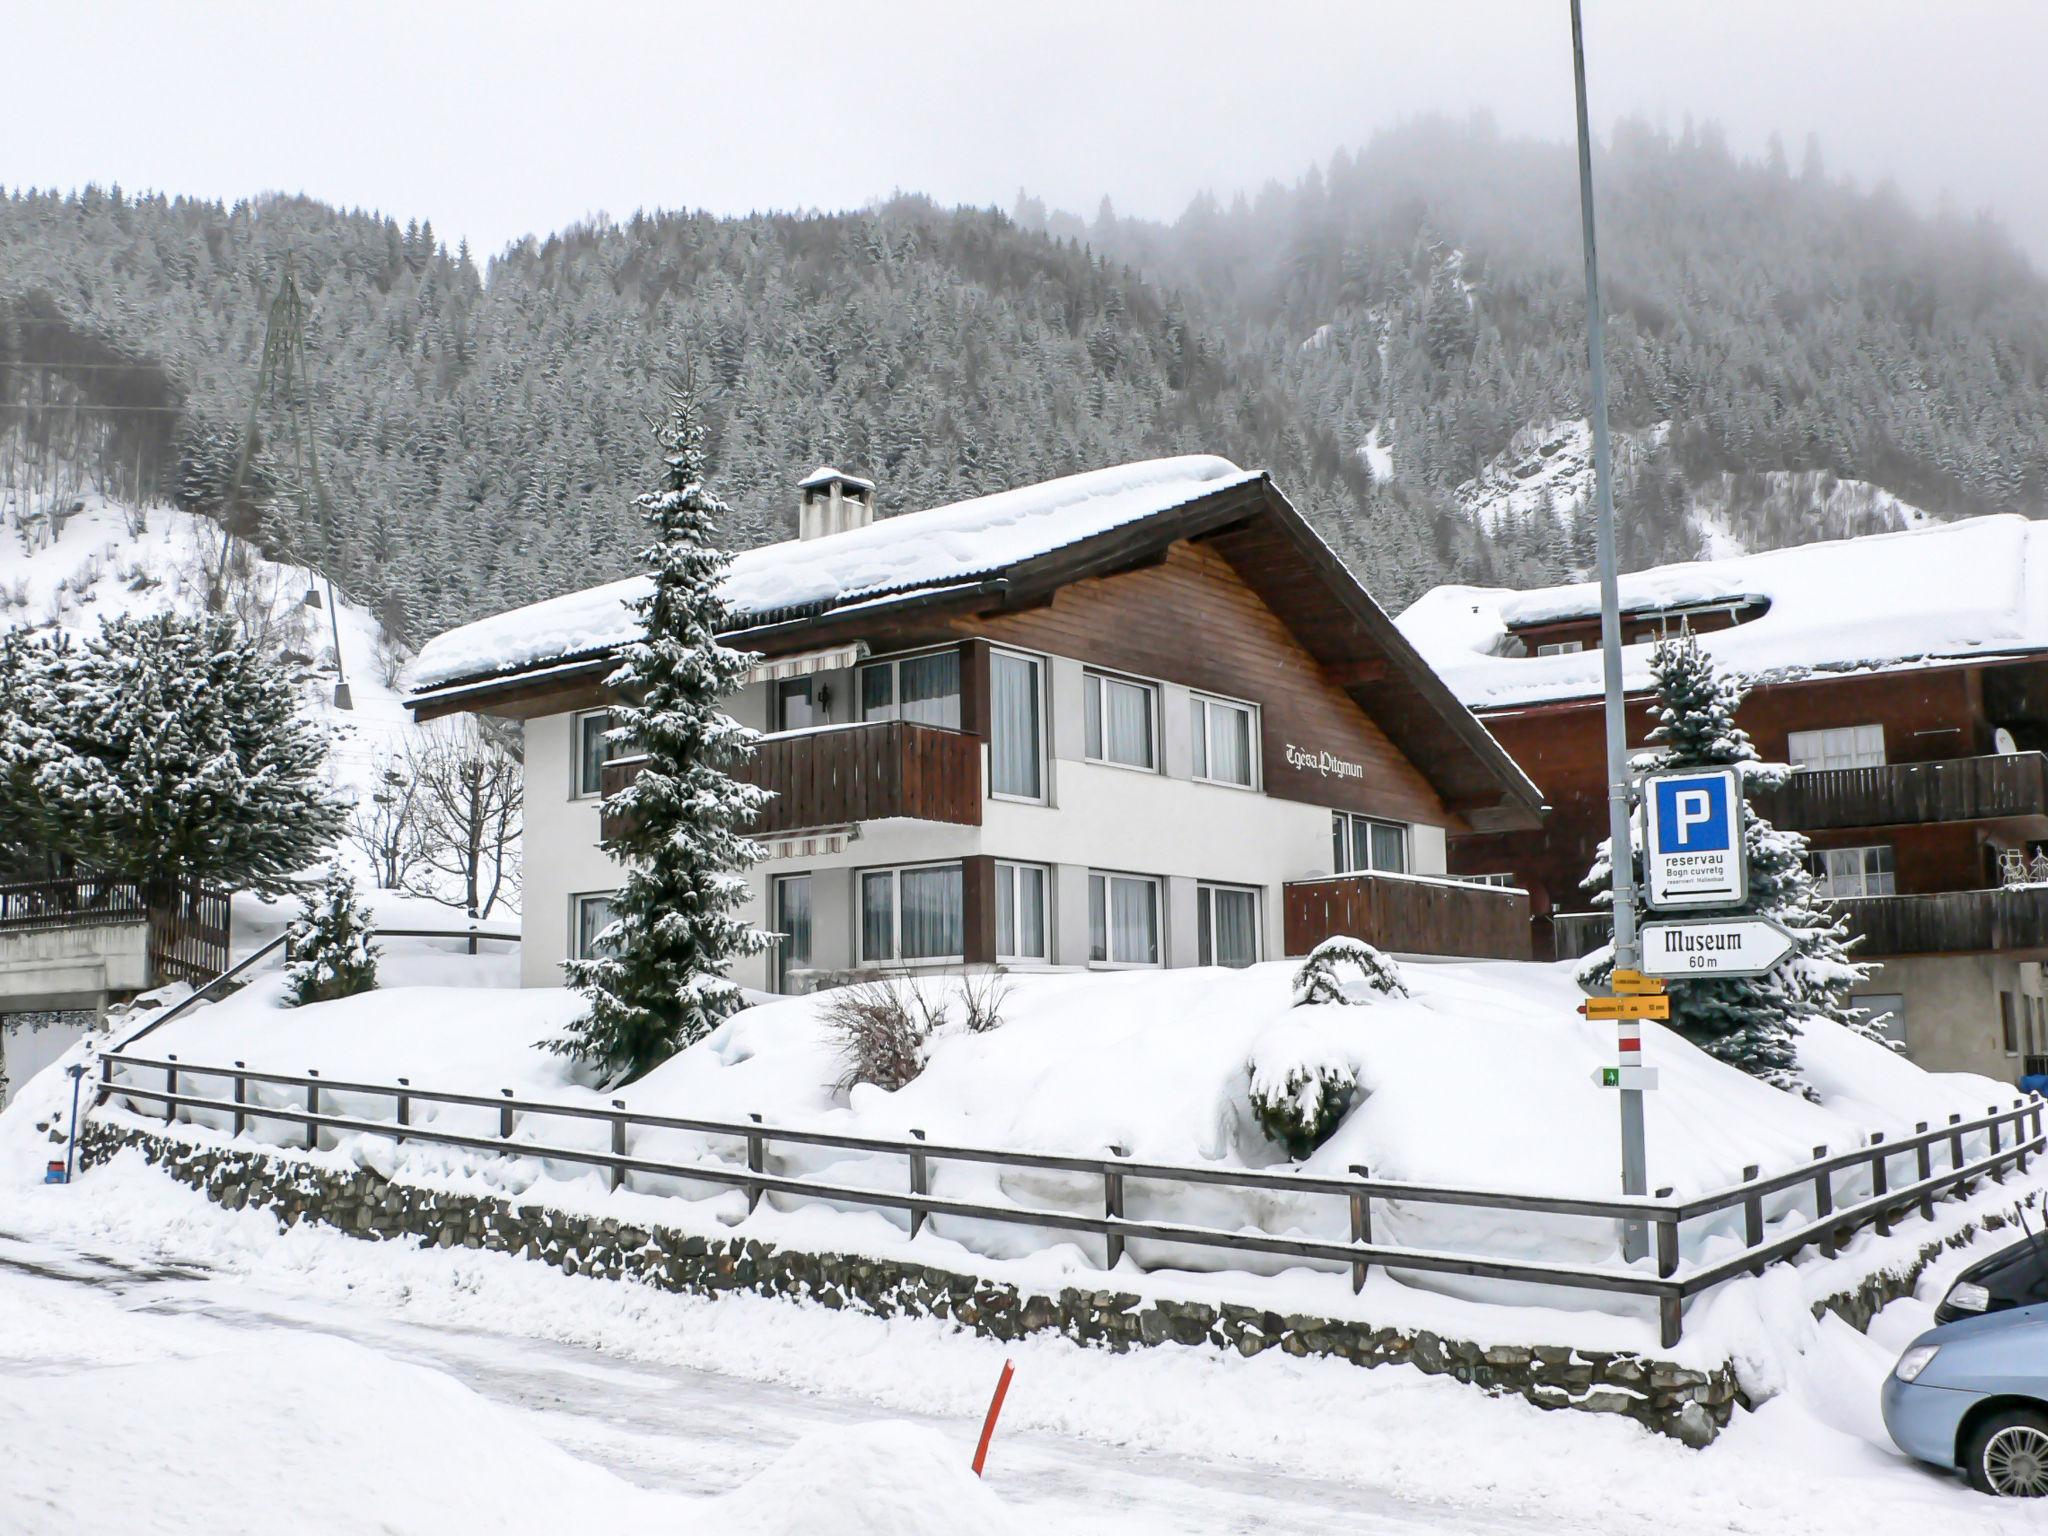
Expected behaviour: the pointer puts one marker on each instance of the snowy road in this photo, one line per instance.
(675, 1428)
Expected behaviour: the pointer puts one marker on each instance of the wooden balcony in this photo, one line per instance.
(2013, 785)
(1410, 915)
(1999, 921)
(842, 775)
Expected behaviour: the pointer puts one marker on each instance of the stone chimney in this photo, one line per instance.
(831, 501)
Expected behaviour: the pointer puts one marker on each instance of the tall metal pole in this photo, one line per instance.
(1627, 954)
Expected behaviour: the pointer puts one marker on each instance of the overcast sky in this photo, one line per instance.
(495, 120)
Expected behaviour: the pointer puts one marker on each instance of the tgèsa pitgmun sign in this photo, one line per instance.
(1692, 854)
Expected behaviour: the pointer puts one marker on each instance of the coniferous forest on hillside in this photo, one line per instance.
(483, 419)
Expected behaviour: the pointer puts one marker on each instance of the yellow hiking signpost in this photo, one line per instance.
(1657, 1007)
(1635, 983)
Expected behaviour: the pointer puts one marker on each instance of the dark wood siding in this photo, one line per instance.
(1191, 619)
(1425, 917)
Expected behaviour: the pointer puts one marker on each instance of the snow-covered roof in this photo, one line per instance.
(825, 474)
(913, 551)
(1948, 592)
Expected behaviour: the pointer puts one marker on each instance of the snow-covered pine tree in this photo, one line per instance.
(328, 950)
(660, 982)
(1749, 1022)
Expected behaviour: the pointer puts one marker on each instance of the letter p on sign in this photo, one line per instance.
(1695, 808)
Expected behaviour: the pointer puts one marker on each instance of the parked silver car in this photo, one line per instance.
(1974, 1395)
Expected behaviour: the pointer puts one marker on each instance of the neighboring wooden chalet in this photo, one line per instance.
(1140, 716)
(1906, 676)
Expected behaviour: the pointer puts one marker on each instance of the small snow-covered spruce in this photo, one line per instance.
(659, 981)
(1321, 978)
(1749, 1022)
(1301, 1088)
(328, 950)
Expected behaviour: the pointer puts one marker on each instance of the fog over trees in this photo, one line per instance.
(482, 430)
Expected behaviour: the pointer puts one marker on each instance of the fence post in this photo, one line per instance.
(1670, 1309)
(1753, 1215)
(757, 1162)
(241, 1097)
(505, 1117)
(170, 1088)
(2019, 1132)
(312, 1108)
(1361, 1226)
(920, 1184)
(1824, 1204)
(1923, 1163)
(1881, 1182)
(106, 1090)
(404, 1105)
(1955, 1154)
(1997, 1145)
(618, 1143)
(1113, 1209)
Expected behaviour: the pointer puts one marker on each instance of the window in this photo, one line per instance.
(1360, 843)
(2009, 1023)
(1224, 734)
(1855, 871)
(1123, 920)
(1020, 912)
(912, 914)
(1227, 917)
(1119, 725)
(593, 751)
(1016, 749)
(592, 915)
(1506, 881)
(1560, 647)
(1887, 1010)
(793, 922)
(1848, 746)
(922, 689)
(796, 707)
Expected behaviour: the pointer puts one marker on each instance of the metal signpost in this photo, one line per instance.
(1634, 1164)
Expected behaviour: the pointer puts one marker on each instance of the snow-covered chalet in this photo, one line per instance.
(1904, 676)
(1140, 716)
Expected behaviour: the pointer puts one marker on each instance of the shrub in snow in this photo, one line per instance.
(886, 1025)
(1749, 1022)
(328, 950)
(659, 982)
(1301, 1087)
(1323, 975)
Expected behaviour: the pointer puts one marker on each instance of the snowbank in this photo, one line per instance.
(1946, 592)
(920, 549)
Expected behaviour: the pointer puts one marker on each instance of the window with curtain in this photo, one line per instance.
(1866, 871)
(923, 689)
(1020, 912)
(1227, 920)
(593, 916)
(1119, 723)
(1362, 844)
(793, 922)
(1123, 919)
(1016, 740)
(593, 751)
(795, 707)
(1223, 735)
(912, 914)
(1848, 746)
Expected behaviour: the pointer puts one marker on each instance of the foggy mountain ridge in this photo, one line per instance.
(1398, 336)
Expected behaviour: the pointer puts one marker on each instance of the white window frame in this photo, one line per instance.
(896, 872)
(1110, 962)
(1345, 860)
(1560, 647)
(776, 883)
(1010, 871)
(778, 719)
(1153, 693)
(577, 902)
(1503, 881)
(1837, 746)
(1205, 902)
(613, 751)
(1199, 705)
(894, 664)
(1824, 876)
(1041, 669)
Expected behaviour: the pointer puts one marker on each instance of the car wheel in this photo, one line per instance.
(2008, 1455)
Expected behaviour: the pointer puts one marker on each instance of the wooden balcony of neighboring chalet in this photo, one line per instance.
(2002, 787)
(840, 775)
(1408, 914)
(2003, 920)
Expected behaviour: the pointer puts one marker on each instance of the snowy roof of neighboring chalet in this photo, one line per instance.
(1943, 593)
(825, 474)
(913, 551)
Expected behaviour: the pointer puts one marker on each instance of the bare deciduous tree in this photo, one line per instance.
(389, 825)
(470, 790)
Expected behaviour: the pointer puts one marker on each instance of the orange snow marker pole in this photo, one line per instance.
(995, 1407)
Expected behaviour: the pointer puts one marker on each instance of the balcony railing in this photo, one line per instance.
(1409, 914)
(842, 775)
(1950, 922)
(1575, 934)
(2011, 785)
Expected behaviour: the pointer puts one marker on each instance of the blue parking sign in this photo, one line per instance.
(1693, 853)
